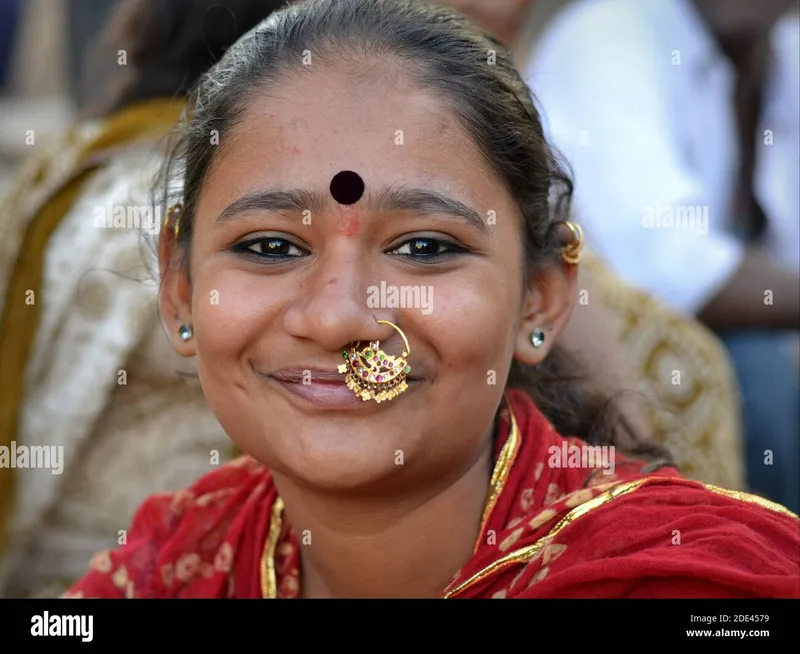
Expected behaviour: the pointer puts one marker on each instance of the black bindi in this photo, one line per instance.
(347, 187)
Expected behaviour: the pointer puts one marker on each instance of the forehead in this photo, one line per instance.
(314, 125)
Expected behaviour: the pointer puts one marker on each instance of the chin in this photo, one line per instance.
(363, 445)
(327, 452)
(338, 457)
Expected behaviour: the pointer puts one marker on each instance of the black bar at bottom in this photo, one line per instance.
(383, 624)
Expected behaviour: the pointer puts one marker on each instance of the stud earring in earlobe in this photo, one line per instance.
(537, 338)
(185, 332)
(374, 375)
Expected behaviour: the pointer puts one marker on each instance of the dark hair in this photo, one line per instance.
(167, 45)
(445, 52)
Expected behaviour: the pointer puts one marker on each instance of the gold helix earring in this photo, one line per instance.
(374, 375)
(571, 253)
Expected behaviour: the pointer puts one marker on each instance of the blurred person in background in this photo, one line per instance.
(9, 17)
(695, 107)
(85, 364)
(674, 360)
(86, 20)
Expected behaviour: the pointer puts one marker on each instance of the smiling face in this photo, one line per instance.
(283, 278)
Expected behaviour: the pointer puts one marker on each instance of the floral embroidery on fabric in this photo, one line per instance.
(552, 494)
(101, 562)
(526, 499)
(182, 500)
(578, 497)
(120, 577)
(290, 585)
(552, 552)
(538, 576)
(187, 567)
(224, 558)
(515, 522)
(167, 574)
(512, 538)
(208, 498)
(542, 518)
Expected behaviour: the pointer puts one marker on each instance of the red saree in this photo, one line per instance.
(548, 532)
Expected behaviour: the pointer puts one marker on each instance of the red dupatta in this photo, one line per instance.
(547, 531)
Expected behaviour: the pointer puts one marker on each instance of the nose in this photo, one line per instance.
(331, 308)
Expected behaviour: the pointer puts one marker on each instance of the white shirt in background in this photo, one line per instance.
(638, 97)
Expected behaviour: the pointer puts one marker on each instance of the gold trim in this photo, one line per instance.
(499, 476)
(752, 499)
(529, 552)
(502, 467)
(269, 580)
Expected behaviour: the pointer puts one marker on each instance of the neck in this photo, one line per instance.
(410, 547)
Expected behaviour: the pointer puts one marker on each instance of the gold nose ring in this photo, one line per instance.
(374, 375)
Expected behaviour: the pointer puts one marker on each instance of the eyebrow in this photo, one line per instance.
(392, 198)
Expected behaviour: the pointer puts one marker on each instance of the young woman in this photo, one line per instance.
(345, 146)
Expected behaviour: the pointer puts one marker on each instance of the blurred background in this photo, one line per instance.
(43, 48)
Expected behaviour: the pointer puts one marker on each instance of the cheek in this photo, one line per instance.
(473, 327)
(231, 311)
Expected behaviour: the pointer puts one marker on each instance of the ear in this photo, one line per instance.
(175, 299)
(547, 306)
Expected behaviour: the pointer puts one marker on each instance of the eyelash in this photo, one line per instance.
(246, 248)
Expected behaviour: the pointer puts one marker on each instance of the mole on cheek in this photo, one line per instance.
(348, 222)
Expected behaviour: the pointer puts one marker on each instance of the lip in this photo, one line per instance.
(327, 390)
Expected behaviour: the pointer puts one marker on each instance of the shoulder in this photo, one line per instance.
(670, 537)
(168, 525)
(224, 489)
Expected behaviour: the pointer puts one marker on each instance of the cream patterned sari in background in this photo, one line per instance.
(684, 371)
(100, 378)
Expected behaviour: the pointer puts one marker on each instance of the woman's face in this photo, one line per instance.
(278, 293)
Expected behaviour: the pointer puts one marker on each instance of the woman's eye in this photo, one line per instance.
(271, 247)
(426, 248)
